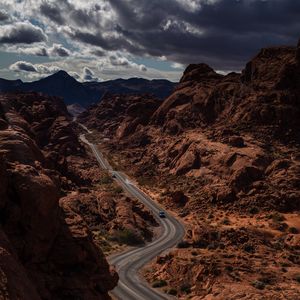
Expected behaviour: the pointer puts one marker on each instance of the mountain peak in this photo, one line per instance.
(62, 73)
(199, 72)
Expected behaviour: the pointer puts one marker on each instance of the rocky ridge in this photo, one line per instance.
(222, 151)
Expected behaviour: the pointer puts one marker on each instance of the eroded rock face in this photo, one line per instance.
(188, 161)
(101, 210)
(230, 145)
(224, 130)
(120, 115)
(45, 252)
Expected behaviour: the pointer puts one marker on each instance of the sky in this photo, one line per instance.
(96, 40)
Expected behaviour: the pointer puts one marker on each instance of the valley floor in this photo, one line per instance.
(227, 253)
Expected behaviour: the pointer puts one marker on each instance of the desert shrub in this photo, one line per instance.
(159, 283)
(278, 245)
(165, 193)
(213, 246)
(172, 291)
(277, 217)
(286, 264)
(117, 190)
(210, 216)
(201, 243)
(226, 221)
(281, 226)
(293, 230)
(229, 268)
(266, 279)
(183, 244)
(297, 278)
(222, 246)
(103, 244)
(253, 210)
(249, 248)
(106, 179)
(127, 236)
(194, 253)
(258, 284)
(186, 288)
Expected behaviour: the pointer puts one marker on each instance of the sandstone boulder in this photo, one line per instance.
(188, 161)
(243, 177)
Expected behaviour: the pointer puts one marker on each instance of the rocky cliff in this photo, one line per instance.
(46, 250)
(222, 151)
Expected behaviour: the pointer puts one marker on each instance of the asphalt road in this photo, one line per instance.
(131, 286)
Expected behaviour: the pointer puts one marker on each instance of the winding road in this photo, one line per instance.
(131, 286)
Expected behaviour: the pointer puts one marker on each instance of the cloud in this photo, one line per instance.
(97, 52)
(177, 66)
(142, 68)
(122, 62)
(222, 33)
(52, 12)
(3, 16)
(119, 61)
(33, 50)
(75, 75)
(23, 66)
(45, 70)
(88, 75)
(21, 32)
(111, 41)
(56, 50)
(59, 50)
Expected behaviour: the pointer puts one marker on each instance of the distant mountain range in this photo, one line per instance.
(63, 85)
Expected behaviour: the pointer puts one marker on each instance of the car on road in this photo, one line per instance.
(162, 214)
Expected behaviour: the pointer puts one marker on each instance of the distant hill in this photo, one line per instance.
(63, 85)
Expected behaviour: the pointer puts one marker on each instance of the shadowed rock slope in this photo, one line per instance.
(46, 250)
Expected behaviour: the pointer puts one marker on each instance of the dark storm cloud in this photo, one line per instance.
(97, 52)
(3, 16)
(222, 33)
(23, 66)
(232, 30)
(64, 11)
(52, 12)
(82, 17)
(107, 43)
(59, 50)
(18, 33)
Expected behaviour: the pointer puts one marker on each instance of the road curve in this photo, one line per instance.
(128, 263)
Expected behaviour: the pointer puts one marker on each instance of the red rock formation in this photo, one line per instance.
(45, 252)
(230, 144)
(120, 114)
(226, 129)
